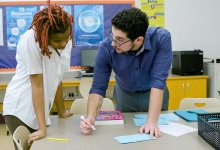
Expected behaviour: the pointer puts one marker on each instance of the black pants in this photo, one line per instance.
(13, 122)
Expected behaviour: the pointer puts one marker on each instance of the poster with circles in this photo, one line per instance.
(18, 20)
(89, 26)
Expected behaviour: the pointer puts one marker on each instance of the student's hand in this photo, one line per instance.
(39, 134)
(151, 128)
(66, 114)
(86, 128)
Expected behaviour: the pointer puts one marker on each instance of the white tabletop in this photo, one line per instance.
(103, 137)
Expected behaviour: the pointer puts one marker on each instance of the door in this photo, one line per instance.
(176, 91)
(196, 88)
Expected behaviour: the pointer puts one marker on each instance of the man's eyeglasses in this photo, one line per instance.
(117, 43)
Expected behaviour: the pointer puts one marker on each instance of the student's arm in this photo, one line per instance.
(38, 103)
(156, 99)
(94, 106)
(59, 101)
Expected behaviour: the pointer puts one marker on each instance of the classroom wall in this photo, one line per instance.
(194, 24)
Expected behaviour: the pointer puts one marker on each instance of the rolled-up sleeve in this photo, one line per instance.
(162, 61)
(102, 70)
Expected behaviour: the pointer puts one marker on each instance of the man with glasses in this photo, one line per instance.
(141, 58)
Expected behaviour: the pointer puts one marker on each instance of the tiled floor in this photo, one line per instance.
(6, 142)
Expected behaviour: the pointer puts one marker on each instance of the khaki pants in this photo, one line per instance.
(13, 122)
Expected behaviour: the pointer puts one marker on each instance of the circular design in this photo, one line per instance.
(89, 21)
(21, 23)
(15, 31)
(12, 39)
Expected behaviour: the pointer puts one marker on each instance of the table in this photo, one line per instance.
(102, 138)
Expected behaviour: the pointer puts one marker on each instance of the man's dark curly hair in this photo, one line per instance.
(132, 21)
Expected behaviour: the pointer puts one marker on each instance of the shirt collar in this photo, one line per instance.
(141, 50)
(147, 43)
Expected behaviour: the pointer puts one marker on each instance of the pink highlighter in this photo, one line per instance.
(84, 119)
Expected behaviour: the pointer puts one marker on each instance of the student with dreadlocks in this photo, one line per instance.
(43, 55)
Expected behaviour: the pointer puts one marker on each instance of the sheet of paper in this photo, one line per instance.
(141, 122)
(133, 138)
(169, 116)
(140, 119)
(176, 129)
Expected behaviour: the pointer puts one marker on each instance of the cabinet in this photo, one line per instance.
(67, 103)
(185, 86)
(179, 87)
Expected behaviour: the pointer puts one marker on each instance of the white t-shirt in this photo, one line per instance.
(18, 96)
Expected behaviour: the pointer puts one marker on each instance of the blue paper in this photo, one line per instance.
(141, 122)
(189, 115)
(133, 138)
(140, 116)
(169, 116)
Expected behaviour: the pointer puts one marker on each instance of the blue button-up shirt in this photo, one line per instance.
(135, 72)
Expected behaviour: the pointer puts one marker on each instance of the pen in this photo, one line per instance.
(83, 119)
(59, 139)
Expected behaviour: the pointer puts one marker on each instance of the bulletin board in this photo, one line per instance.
(92, 22)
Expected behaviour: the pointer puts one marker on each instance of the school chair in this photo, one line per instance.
(7, 130)
(20, 137)
(107, 104)
(197, 103)
(84, 86)
(79, 106)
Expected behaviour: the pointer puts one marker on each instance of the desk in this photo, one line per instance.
(179, 87)
(102, 138)
(75, 82)
(66, 83)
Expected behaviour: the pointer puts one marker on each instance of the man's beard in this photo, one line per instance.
(134, 51)
(129, 51)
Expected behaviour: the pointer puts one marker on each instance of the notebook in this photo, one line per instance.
(109, 118)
